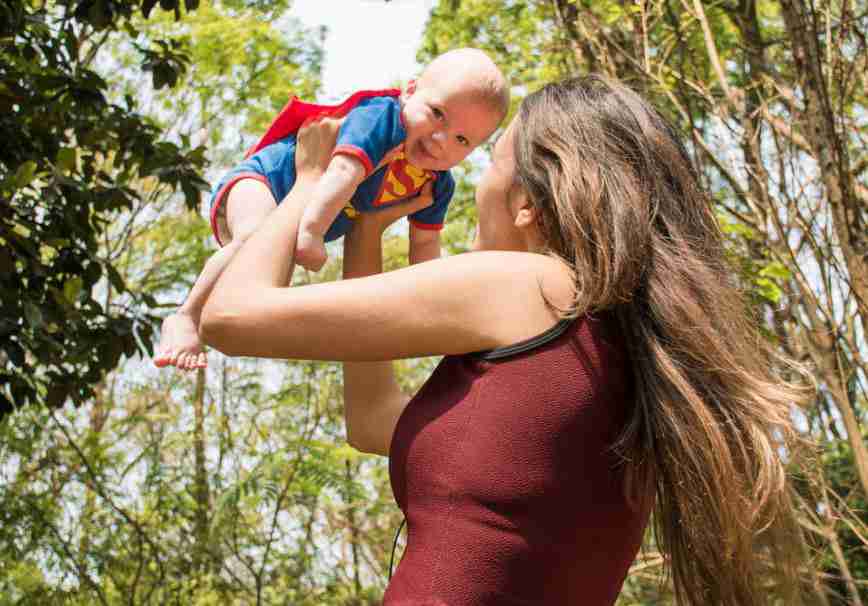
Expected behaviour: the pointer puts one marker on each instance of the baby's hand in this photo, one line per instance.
(382, 219)
(310, 251)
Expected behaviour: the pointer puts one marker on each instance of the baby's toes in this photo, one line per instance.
(161, 354)
(163, 357)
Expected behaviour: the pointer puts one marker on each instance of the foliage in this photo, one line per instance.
(770, 98)
(234, 486)
(69, 163)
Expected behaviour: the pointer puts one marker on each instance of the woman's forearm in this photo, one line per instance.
(263, 263)
(372, 398)
(424, 250)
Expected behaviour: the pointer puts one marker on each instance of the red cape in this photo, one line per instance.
(297, 111)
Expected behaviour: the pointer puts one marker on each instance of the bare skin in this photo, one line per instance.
(247, 205)
(444, 123)
(445, 120)
(441, 307)
(179, 343)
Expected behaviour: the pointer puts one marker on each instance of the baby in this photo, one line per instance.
(389, 146)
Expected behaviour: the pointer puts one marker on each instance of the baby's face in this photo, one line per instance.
(444, 123)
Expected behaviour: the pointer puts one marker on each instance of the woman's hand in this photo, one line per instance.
(315, 143)
(379, 220)
(362, 245)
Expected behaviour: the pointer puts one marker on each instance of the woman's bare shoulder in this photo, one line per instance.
(543, 272)
(522, 289)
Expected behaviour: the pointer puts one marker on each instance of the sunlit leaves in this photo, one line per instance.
(243, 65)
(64, 146)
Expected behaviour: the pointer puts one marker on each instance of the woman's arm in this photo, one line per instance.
(446, 306)
(373, 401)
(424, 244)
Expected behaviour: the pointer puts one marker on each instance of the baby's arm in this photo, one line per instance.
(424, 244)
(332, 192)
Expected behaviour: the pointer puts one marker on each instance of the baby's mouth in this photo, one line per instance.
(423, 149)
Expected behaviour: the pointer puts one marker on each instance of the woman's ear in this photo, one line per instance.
(411, 87)
(524, 212)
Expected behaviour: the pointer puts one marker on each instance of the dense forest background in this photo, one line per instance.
(120, 484)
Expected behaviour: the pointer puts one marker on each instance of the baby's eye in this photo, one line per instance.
(463, 140)
(437, 113)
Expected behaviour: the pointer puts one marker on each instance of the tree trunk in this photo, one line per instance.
(354, 532)
(830, 149)
(202, 496)
(97, 420)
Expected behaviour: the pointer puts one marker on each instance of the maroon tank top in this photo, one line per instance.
(503, 468)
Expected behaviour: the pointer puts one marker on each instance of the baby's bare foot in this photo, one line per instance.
(179, 344)
(310, 251)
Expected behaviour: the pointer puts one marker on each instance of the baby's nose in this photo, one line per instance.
(439, 136)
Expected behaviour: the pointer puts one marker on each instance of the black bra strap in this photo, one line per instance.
(510, 350)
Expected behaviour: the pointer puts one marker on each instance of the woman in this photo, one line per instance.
(598, 365)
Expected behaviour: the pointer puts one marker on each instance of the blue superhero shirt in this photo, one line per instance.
(371, 132)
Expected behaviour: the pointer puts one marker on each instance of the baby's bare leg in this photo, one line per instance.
(247, 205)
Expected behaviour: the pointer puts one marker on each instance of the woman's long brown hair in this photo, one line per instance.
(621, 203)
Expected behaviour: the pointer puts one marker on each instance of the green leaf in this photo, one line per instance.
(33, 315)
(66, 159)
(25, 173)
(777, 270)
(768, 290)
(71, 289)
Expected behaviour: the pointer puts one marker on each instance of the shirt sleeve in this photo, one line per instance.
(433, 217)
(370, 131)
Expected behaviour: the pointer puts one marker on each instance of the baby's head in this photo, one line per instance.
(454, 106)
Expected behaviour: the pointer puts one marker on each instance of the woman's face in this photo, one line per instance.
(496, 229)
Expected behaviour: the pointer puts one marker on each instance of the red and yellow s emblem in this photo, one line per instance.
(402, 179)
